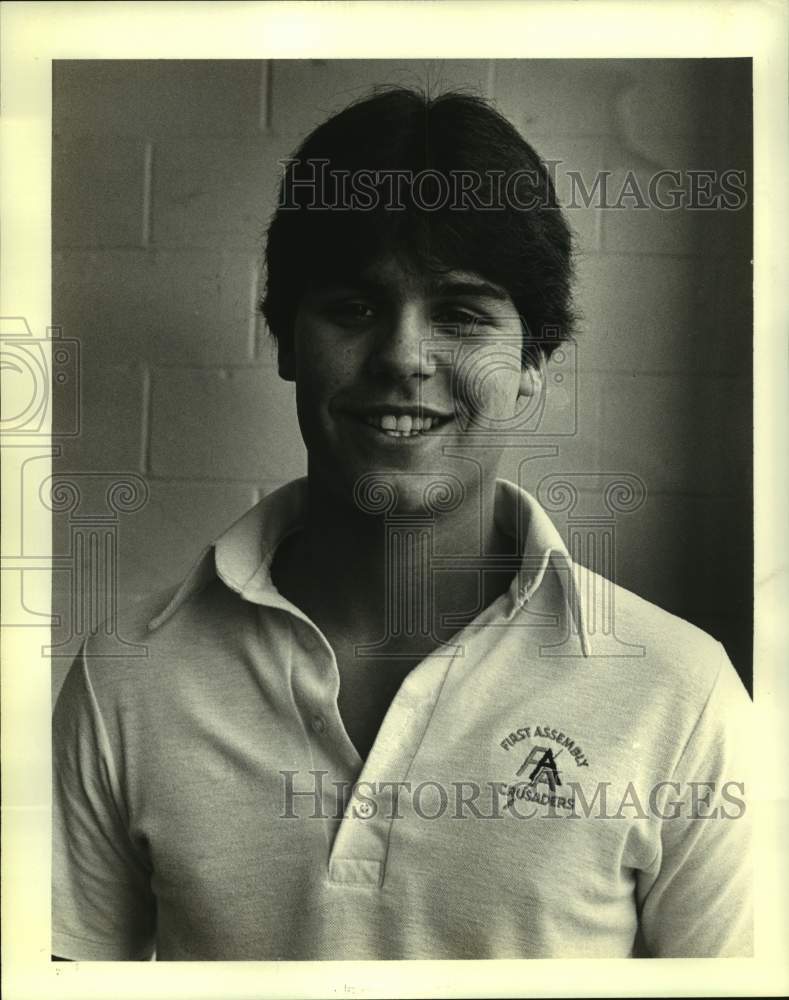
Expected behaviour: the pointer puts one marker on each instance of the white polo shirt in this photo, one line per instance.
(530, 792)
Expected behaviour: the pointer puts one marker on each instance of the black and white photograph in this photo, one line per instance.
(395, 423)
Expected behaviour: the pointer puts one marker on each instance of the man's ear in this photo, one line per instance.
(532, 381)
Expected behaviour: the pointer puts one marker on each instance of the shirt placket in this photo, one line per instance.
(315, 684)
(361, 845)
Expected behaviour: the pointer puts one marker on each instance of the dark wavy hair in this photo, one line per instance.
(521, 241)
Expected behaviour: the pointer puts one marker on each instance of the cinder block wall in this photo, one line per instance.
(164, 177)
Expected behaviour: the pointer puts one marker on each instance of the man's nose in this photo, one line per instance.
(403, 347)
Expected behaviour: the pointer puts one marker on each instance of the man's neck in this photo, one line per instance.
(354, 573)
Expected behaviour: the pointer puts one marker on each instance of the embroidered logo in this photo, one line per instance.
(540, 771)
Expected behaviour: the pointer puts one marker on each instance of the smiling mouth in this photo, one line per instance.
(403, 425)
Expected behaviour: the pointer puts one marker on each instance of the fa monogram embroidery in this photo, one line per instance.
(540, 769)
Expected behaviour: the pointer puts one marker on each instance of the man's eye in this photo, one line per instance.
(455, 317)
(351, 311)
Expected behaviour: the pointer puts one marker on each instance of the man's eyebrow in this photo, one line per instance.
(348, 282)
(468, 286)
(445, 286)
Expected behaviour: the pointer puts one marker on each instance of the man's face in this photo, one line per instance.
(396, 370)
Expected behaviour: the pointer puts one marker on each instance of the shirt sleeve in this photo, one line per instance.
(102, 904)
(695, 900)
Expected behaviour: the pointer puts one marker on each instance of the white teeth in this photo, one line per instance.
(404, 425)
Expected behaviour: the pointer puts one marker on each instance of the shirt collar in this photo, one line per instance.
(242, 556)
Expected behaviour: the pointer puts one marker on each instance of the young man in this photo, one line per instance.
(372, 722)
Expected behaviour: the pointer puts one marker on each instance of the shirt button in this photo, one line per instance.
(318, 724)
(364, 809)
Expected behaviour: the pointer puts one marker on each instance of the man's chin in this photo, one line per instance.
(401, 493)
